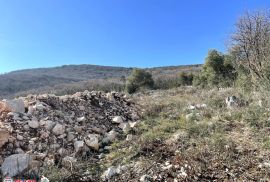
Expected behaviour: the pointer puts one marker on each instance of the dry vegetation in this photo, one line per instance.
(175, 142)
(72, 78)
(212, 143)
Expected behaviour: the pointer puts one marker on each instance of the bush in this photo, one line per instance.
(217, 71)
(139, 79)
(185, 78)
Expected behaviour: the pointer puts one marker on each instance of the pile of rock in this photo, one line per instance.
(44, 128)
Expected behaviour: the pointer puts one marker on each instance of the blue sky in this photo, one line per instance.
(140, 33)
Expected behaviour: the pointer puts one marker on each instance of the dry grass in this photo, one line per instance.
(218, 144)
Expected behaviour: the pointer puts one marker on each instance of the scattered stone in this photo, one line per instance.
(33, 124)
(78, 145)
(81, 119)
(58, 129)
(62, 126)
(110, 172)
(146, 178)
(19, 137)
(129, 137)
(39, 107)
(111, 136)
(133, 124)
(92, 142)
(44, 179)
(118, 119)
(191, 107)
(231, 101)
(125, 127)
(15, 105)
(16, 164)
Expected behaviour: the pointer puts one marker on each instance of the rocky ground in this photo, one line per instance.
(40, 131)
(183, 134)
(196, 135)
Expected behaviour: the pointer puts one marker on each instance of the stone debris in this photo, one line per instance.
(16, 105)
(145, 178)
(16, 164)
(117, 119)
(44, 127)
(232, 101)
(110, 172)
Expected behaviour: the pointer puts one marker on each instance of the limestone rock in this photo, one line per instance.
(117, 119)
(33, 124)
(92, 142)
(16, 164)
(15, 105)
(78, 145)
(58, 129)
(110, 172)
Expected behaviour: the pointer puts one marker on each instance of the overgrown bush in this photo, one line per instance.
(217, 71)
(139, 79)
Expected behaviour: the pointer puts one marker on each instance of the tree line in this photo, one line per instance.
(245, 65)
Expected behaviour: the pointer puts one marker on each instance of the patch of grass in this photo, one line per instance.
(54, 173)
(256, 117)
(266, 142)
(160, 128)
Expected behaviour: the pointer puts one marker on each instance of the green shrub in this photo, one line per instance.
(217, 71)
(139, 79)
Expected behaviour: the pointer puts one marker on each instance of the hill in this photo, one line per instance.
(67, 76)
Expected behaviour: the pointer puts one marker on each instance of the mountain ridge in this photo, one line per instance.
(15, 82)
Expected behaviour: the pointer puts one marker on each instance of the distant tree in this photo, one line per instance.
(139, 79)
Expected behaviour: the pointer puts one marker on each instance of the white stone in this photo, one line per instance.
(125, 127)
(133, 124)
(111, 135)
(110, 172)
(39, 107)
(117, 119)
(58, 129)
(92, 142)
(231, 101)
(129, 137)
(81, 119)
(49, 124)
(33, 124)
(191, 107)
(78, 145)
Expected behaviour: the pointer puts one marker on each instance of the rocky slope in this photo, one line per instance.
(44, 130)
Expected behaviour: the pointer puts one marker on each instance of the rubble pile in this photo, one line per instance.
(67, 127)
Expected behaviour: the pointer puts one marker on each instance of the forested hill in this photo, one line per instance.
(30, 79)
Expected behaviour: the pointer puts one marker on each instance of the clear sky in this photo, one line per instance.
(140, 33)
